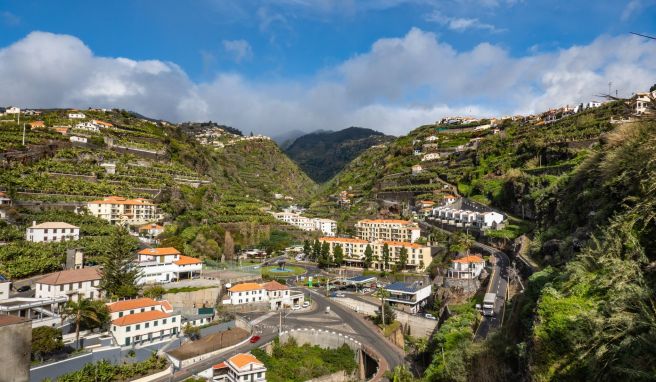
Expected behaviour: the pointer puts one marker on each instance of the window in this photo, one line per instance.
(132, 312)
(120, 314)
(155, 323)
(79, 285)
(137, 327)
(143, 310)
(114, 328)
(127, 328)
(173, 319)
(147, 325)
(61, 288)
(164, 321)
(152, 308)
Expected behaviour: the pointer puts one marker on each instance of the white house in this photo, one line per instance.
(468, 267)
(430, 156)
(160, 265)
(489, 219)
(452, 215)
(151, 230)
(327, 226)
(71, 283)
(272, 292)
(417, 169)
(432, 138)
(5, 200)
(642, 101)
(238, 368)
(12, 110)
(409, 296)
(76, 116)
(51, 231)
(74, 138)
(142, 321)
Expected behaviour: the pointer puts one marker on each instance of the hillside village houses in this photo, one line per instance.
(417, 169)
(640, 102)
(142, 320)
(387, 229)
(37, 125)
(460, 214)
(76, 115)
(166, 264)
(71, 283)
(5, 200)
(430, 156)
(276, 294)
(51, 231)
(94, 125)
(119, 210)
(419, 256)
(238, 368)
(467, 267)
(327, 226)
(151, 230)
(432, 138)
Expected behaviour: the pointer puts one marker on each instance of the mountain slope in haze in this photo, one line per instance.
(323, 154)
(287, 138)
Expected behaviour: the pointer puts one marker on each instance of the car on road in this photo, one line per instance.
(340, 294)
(430, 316)
(24, 288)
(254, 339)
(296, 307)
(306, 304)
(366, 290)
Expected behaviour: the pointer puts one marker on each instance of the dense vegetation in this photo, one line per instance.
(290, 362)
(323, 154)
(105, 371)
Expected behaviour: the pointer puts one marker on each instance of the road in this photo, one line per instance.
(310, 318)
(498, 284)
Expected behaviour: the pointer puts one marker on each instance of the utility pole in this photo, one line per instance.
(23, 133)
(609, 85)
(280, 321)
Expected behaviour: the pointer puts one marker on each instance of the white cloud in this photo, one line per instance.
(635, 6)
(240, 50)
(460, 24)
(398, 84)
(9, 19)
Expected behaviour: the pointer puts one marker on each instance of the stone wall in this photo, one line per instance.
(340, 376)
(16, 340)
(188, 302)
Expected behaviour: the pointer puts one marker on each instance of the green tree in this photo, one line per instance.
(154, 291)
(461, 242)
(316, 250)
(368, 257)
(324, 255)
(403, 258)
(192, 332)
(401, 374)
(338, 255)
(118, 274)
(307, 247)
(386, 256)
(93, 314)
(46, 340)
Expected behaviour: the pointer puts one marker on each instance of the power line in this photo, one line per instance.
(643, 35)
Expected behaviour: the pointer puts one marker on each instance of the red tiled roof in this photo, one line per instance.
(243, 359)
(274, 285)
(186, 260)
(136, 303)
(70, 276)
(163, 251)
(245, 287)
(140, 317)
(469, 259)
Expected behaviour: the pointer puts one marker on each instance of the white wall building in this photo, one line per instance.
(465, 218)
(276, 294)
(418, 256)
(161, 265)
(74, 138)
(387, 229)
(430, 156)
(142, 321)
(12, 110)
(410, 296)
(51, 231)
(468, 267)
(327, 226)
(76, 116)
(119, 210)
(242, 367)
(72, 284)
(5, 200)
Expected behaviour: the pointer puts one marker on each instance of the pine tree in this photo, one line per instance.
(307, 247)
(119, 275)
(368, 256)
(228, 246)
(403, 258)
(386, 256)
(338, 255)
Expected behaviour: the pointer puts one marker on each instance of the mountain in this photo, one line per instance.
(285, 139)
(323, 154)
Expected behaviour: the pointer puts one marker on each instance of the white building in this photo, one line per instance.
(151, 230)
(119, 210)
(466, 218)
(642, 101)
(430, 156)
(409, 296)
(432, 138)
(142, 321)
(72, 284)
(76, 116)
(74, 138)
(327, 226)
(276, 294)
(51, 231)
(12, 110)
(417, 169)
(387, 229)
(5, 200)
(161, 265)
(468, 267)
(242, 367)
(88, 126)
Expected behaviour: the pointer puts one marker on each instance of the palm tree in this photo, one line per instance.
(84, 310)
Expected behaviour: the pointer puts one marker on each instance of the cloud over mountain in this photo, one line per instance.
(398, 84)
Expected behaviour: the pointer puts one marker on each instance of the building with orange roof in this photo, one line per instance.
(274, 293)
(37, 124)
(142, 321)
(5, 200)
(418, 256)
(166, 264)
(466, 267)
(71, 283)
(151, 229)
(387, 229)
(238, 368)
(120, 210)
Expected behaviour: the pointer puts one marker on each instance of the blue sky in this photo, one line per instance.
(274, 65)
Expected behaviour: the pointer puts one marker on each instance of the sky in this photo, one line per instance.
(271, 66)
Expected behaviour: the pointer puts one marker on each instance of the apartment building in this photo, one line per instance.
(327, 226)
(142, 321)
(52, 231)
(272, 292)
(387, 229)
(119, 210)
(71, 283)
(419, 256)
(466, 218)
(161, 265)
(242, 367)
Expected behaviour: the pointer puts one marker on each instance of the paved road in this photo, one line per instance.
(498, 284)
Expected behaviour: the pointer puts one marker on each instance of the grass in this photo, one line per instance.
(186, 289)
(391, 328)
(290, 270)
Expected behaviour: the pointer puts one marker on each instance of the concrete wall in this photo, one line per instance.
(323, 338)
(340, 376)
(56, 369)
(16, 340)
(187, 302)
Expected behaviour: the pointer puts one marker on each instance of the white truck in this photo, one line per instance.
(488, 304)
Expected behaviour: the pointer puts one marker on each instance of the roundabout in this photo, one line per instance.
(285, 271)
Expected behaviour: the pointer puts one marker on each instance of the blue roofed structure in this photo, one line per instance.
(410, 297)
(357, 280)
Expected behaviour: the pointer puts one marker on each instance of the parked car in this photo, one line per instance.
(306, 304)
(296, 307)
(254, 339)
(340, 294)
(24, 288)
(430, 316)
(366, 290)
